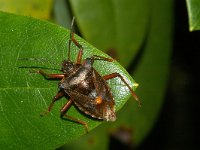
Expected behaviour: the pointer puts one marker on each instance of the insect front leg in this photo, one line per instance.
(114, 75)
(63, 114)
(58, 96)
(52, 76)
(80, 53)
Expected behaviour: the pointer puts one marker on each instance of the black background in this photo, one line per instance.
(178, 125)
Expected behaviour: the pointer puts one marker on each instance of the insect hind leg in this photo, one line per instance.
(63, 114)
(114, 75)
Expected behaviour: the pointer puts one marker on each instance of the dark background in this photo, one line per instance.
(178, 125)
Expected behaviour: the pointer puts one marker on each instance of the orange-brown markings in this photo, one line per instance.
(98, 100)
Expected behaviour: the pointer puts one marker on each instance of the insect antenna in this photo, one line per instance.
(70, 38)
(40, 60)
(35, 67)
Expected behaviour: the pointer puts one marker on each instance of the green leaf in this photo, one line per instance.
(114, 25)
(193, 7)
(24, 95)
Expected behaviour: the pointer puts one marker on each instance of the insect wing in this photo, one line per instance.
(87, 105)
(104, 97)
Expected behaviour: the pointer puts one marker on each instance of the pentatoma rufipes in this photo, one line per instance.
(87, 89)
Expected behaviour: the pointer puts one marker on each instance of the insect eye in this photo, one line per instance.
(67, 66)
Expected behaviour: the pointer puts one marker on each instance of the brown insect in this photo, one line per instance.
(87, 89)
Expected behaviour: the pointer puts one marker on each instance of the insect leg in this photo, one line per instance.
(114, 75)
(70, 39)
(64, 110)
(91, 59)
(80, 53)
(46, 75)
(97, 57)
(58, 95)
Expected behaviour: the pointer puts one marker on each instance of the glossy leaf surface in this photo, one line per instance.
(24, 95)
(194, 14)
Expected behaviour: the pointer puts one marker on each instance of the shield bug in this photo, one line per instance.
(87, 89)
